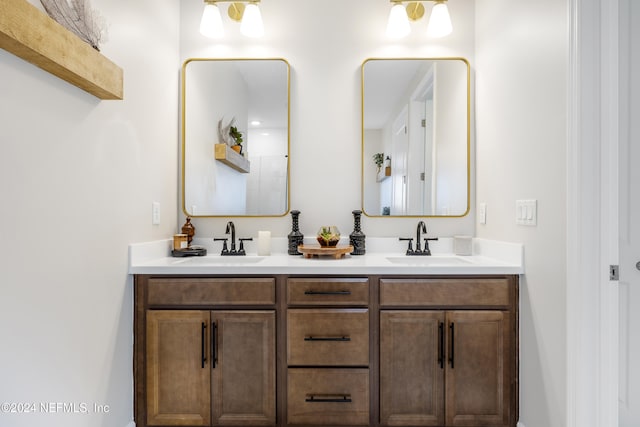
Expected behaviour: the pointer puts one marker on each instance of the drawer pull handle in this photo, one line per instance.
(452, 349)
(441, 345)
(329, 398)
(203, 350)
(214, 345)
(312, 292)
(341, 339)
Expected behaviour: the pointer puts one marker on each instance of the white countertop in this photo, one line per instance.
(384, 256)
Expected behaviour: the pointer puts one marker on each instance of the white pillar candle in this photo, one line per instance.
(264, 243)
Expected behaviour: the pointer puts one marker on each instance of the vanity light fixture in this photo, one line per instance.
(399, 16)
(245, 12)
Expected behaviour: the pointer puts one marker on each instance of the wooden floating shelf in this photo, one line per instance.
(383, 174)
(32, 35)
(229, 157)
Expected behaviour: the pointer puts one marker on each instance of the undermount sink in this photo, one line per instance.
(434, 260)
(221, 260)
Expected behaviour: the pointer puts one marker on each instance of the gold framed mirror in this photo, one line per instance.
(416, 141)
(235, 137)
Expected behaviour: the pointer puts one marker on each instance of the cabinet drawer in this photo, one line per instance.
(328, 396)
(328, 291)
(477, 292)
(328, 337)
(211, 291)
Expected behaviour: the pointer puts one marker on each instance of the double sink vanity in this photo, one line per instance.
(381, 339)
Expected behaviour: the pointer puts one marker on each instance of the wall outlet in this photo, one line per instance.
(527, 212)
(482, 213)
(155, 213)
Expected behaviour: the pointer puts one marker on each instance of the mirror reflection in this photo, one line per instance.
(235, 137)
(415, 137)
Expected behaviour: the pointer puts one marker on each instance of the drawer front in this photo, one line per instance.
(328, 337)
(477, 292)
(328, 396)
(328, 291)
(212, 291)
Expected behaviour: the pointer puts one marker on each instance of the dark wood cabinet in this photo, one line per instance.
(328, 396)
(328, 352)
(295, 351)
(412, 368)
(448, 352)
(328, 337)
(243, 379)
(478, 369)
(444, 368)
(205, 367)
(178, 377)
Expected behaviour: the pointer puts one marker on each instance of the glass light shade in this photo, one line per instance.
(211, 23)
(251, 25)
(398, 24)
(439, 21)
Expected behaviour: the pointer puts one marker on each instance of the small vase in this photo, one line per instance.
(189, 230)
(237, 148)
(295, 237)
(357, 237)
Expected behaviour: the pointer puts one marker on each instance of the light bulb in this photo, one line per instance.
(211, 23)
(251, 25)
(439, 21)
(398, 24)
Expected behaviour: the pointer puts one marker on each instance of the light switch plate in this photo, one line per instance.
(527, 212)
(155, 213)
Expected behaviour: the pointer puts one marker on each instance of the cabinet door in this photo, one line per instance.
(478, 376)
(178, 372)
(411, 368)
(244, 374)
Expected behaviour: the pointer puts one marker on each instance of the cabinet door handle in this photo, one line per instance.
(203, 349)
(452, 347)
(214, 345)
(342, 339)
(328, 398)
(441, 344)
(312, 292)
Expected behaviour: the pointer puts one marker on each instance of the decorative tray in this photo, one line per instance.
(336, 252)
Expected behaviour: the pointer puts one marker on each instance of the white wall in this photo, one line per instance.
(325, 44)
(79, 176)
(78, 179)
(521, 84)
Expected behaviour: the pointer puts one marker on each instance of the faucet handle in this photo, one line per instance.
(426, 250)
(225, 250)
(242, 240)
(410, 240)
